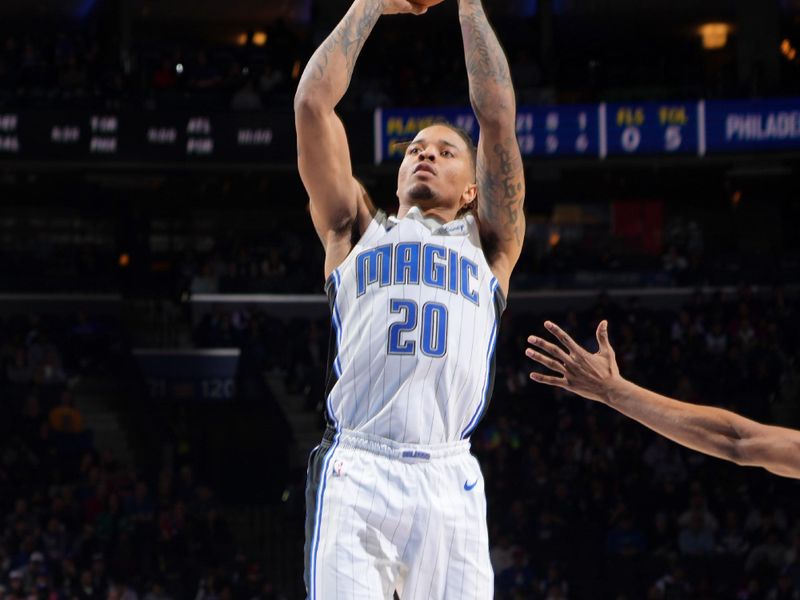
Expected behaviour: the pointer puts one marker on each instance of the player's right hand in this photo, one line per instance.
(588, 375)
(399, 7)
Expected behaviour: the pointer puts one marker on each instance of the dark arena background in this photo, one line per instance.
(163, 327)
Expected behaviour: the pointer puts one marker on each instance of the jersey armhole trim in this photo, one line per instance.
(378, 220)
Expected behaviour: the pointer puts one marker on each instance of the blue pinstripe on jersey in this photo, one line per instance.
(473, 422)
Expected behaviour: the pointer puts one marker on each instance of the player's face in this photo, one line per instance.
(437, 171)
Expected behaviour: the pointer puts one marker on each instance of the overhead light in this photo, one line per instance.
(259, 38)
(714, 35)
(241, 39)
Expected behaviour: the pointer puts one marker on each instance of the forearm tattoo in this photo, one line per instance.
(487, 66)
(501, 187)
(346, 41)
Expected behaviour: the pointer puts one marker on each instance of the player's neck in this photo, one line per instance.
(441, 214)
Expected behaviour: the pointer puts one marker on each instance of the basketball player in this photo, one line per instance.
(706, 429)
(395, 501)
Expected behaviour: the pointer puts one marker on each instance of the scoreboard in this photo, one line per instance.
(619, 129)
(549, 131)
(650, 128)
(593, 131)
(145, 136)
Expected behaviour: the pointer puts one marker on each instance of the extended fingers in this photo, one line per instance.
(548, 379)
(546, 361)
(602, 337)
(548, 347)
(563, 337)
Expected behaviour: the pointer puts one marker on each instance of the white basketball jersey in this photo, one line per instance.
(415, 311)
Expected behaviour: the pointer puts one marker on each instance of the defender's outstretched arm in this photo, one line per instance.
(500, 174)
(707, 429)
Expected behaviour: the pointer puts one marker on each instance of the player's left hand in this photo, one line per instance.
(585, 374)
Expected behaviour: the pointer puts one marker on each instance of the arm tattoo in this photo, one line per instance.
(345, 44)
(502, 192)
(487, 67)
(500, 174)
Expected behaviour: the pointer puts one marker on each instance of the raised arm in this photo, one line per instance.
(323, 155)
(500, 175)
(707, 429)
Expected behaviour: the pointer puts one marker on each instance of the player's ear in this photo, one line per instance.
(470, 193)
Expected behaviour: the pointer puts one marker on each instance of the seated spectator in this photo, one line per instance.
(502, 553)
(165, 78)
(270, 79)
(625, 539)
(19, 371)
(66, 418)
(203, 74)
(157, 592)
(246, 98)
(673, 584)
(769, 554)
(518, 579)
(784, 588)
(696, 537)
(731, 540)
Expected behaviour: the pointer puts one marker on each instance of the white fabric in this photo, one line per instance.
(415, 525)
(414, 397)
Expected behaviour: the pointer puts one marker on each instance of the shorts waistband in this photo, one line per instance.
(357, 440)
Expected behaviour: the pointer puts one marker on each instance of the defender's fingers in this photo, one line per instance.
(548, 347)
(563, 337)
(546, 361)
(602, 336)
(547, 379)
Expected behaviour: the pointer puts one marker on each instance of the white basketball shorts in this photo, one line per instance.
(383, 517)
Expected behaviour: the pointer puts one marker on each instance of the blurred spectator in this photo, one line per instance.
(165, 78)
(696, 538)
(157, 592)
(203, 74)
(66, 418)
(518, 579)
(246, 98)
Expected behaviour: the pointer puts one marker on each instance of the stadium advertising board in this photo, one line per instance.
(744, 126)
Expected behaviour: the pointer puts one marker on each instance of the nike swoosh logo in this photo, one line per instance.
(468, 486)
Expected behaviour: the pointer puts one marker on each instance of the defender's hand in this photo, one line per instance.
(588, 375)
(399, 7)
